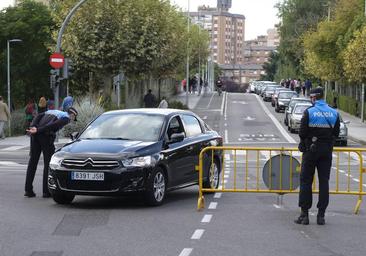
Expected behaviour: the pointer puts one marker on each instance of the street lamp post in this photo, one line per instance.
(9, 100)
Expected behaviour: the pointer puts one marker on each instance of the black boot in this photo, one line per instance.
(29, 194)
(303, 218)
(320, 217)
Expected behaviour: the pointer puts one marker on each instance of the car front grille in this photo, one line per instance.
(90, 163)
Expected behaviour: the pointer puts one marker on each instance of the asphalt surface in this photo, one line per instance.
(231, 223)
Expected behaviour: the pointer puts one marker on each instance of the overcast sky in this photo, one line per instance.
(260, 14)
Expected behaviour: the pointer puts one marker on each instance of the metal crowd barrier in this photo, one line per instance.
(243, 169)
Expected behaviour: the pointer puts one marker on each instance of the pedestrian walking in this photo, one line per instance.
(42, 105)
(303, 89)
(4, 117)
(30, 112)
(43, 133)
(298, 86)
(318, 130)
(308, 86)
(163, 103)
(184, 84)
(149, 99)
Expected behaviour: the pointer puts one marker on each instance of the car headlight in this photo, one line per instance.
(56, 161)
(138, 161)
(343, 132)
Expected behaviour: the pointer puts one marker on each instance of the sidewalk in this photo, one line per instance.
(356, 129)
(24, 141)
(193, 98)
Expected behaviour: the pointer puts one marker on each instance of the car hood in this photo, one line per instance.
(110, 147)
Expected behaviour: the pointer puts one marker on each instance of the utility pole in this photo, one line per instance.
(187, 67)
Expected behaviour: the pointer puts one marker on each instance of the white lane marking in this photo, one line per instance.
(197, 234)
(217, 195)
(239, 152)
(364, 185)
(225, 124)
(13, 148)
(226, 136)
(357, 180)
(11, 164)
(208, 106)
(341, 171)
(222, 105)
(348, 175)
(226, 95)
(277, 206)
(204, 118)
(207, 218)
(226, 176)
(225, 181)
(186, 252)
(276, 123)
(212, 206)
(227, 157)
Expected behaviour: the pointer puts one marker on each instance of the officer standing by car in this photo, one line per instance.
(43, 131)
(319, 127)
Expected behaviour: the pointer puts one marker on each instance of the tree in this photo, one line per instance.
(355, 57)
(32, 23)
(271, 67)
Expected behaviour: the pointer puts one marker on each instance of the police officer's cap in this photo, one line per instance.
(317, 92)
(72, 110)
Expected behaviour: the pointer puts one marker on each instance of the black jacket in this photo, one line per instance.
(49, 123)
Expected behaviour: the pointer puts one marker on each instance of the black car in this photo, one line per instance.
(283, 100)
(143, 150)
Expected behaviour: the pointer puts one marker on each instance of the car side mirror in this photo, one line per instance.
(347, 122)
(74, 135)
(176, 137)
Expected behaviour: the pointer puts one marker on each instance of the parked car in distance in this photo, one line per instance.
(269, 91)
(296, 115)
(291, 105)
(342, 138)
(275, 95)
(283, 99)
(262, 86)
(150, 151)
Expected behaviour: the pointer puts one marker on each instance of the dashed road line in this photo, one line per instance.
(186, 252)
(197, 234)
(212, 206)
(13, 148)
(207, 218)
(217, 195)
(226, 136)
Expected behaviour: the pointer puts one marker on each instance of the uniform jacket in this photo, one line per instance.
(320, 121)
(4, 111)
(50, 121)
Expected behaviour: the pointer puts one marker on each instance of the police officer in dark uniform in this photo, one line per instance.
(319, 127)
(43, 131)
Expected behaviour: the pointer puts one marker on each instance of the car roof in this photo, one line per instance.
(300, 98)
(158, 111)
(302, 104)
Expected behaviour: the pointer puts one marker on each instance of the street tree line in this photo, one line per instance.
(323, 40)
(144, 39)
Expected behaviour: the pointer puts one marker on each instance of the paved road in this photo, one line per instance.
(231, 224)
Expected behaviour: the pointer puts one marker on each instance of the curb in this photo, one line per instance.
(362, 142)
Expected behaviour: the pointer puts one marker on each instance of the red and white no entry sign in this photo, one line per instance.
(57, 60)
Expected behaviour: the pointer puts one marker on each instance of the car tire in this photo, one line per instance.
(62, 198)
(156, 188)
(212, 180)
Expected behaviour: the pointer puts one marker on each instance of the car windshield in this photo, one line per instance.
(134, 126)
(286, 95)
(300, 109)
(294, 102)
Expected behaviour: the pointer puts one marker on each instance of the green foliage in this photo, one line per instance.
(87, 110)
(142, 38)
(18, 123)
(271, 67)
(32, 23)
(177, 105)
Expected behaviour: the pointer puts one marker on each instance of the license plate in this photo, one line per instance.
(87, 176)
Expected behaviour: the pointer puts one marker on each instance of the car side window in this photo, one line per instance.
(175, 126)
(192, 125)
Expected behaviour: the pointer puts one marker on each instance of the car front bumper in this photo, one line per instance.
(116, 182)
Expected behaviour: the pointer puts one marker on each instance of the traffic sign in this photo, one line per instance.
(57, 60)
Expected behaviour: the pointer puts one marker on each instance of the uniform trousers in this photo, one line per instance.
(39, 143)
(322, 161)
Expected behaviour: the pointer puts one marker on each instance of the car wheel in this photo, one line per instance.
(156, 188)
(63, 198)
(212, 180)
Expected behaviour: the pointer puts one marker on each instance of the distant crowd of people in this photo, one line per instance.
(298, 86)
(196, 84)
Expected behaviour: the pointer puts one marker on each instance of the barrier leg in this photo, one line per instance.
(358, 205)
(201, 203)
